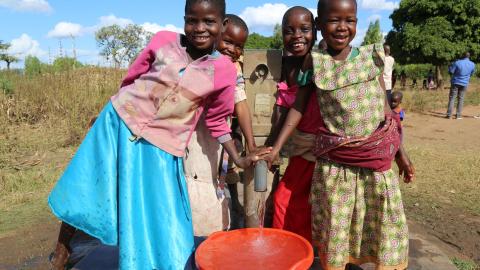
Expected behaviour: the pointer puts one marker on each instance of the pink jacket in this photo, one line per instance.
(164, 94)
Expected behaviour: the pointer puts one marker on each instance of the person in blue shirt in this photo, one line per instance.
(461, 71)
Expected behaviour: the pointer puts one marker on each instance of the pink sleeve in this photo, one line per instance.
(285, 95)
(220, 104)
(145, 59)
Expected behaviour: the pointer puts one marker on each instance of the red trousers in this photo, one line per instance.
(292, 209)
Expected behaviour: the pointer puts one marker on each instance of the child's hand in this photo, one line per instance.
(405, 168)
(60, 257)
(253, 148)
(253, 157)
(271, 158)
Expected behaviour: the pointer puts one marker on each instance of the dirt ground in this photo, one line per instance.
(444, 201)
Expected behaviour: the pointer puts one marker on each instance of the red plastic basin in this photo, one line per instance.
(253, 248)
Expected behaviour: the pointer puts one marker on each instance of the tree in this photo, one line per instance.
(120, 44)
(277, 39)
(374, 33)
(9, 59)
(257, 41)
(65, 64)
(33, 66)
(4, 56)
(436, 32)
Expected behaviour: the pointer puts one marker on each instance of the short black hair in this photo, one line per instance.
(397, 94)
(237, 21)
(220, 4)
(290, 10)
(323, 5)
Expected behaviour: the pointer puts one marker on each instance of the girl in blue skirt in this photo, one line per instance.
(125, 185)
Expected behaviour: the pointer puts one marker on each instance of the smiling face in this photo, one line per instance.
(338, 24)
(203, 23)
(297, 31)
(232, 41)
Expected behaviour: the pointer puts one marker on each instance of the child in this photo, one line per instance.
(209, 205)
(232, 44)
(397, 98)
(125, 185)
(357, 209)
(291, 209)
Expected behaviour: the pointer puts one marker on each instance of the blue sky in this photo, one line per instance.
(38, 27)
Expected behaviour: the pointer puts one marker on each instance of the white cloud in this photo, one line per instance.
(154, 28)
(65, 30)
(27, 5)
(373, 18)
(108, 20)
(112, 19)
(264, 16)
(24, 46)
(68, 29)
(379, 4)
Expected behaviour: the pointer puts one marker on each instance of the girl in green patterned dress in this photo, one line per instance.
(357, 210)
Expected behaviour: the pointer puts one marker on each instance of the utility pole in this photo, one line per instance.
(60, 48)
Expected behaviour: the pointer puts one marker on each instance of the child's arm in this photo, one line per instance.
(293, 118)
(244, 162)
(145, 59)
(243, 111)
(405, 166)
(245, 121)
(220, 106)
(278, 119)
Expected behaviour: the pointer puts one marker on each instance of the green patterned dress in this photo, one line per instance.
(358, 215)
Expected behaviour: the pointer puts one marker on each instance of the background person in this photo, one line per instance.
(461, 71)
(387, 73)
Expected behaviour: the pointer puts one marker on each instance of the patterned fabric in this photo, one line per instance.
(164, 94)
(349, 93)
(240, 94)
(375, 152)
(358, 217)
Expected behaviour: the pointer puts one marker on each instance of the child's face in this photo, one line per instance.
(203, 23)
(338, 24)
(396, 101)
(232, 41)
(298, 33)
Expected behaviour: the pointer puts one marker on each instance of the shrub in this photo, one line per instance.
(65, 64)
(415, 70)
(33, 66)
(6, 86)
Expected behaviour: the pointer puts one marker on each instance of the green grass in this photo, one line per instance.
(465, 264)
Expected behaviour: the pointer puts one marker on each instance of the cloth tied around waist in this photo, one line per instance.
(375, 152)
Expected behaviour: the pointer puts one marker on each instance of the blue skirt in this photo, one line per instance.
(127, 193)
